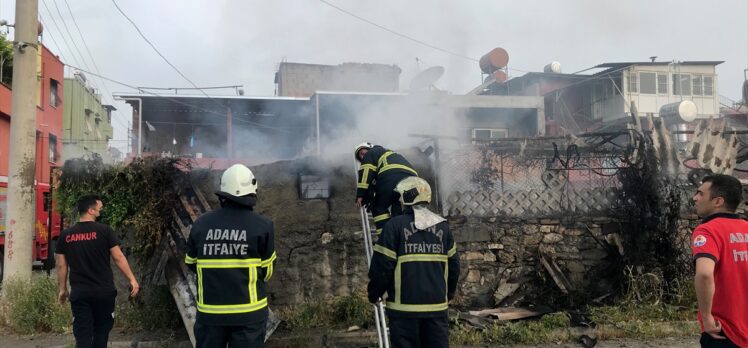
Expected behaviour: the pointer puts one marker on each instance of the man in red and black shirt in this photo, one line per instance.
(85, 250)
(720, 251)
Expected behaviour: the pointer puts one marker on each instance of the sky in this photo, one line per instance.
(241, 42)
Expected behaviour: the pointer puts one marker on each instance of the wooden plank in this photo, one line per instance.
(558, 276)
(188, 207)
(201, 199)
(182, 228)
(511, 313)
(179, 288)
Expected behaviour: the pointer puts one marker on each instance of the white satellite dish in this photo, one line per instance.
(425, 79)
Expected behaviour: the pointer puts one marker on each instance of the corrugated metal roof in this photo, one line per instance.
(625, 64)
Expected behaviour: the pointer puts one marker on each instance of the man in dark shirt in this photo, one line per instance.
(85, 249)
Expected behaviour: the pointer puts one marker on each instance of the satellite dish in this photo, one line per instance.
(425, 79)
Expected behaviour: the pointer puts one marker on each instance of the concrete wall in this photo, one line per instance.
(302, 80)
(87, 124)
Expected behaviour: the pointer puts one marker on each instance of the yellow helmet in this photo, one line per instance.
(413, 190)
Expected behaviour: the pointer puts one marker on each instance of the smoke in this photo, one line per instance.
(388, 120)
(77, 150)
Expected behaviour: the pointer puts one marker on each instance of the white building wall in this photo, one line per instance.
(707, 105)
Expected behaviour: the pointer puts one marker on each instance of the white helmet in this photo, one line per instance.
(364, 145)
(413, 190)
(238, 181)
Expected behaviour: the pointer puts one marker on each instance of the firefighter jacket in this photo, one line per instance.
(231, 249)
(417, 268)
(378, 162)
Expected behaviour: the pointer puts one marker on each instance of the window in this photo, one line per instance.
(702, 85)
(696, 85)
(313, 187)
(708, 85)
(633, 83)
(615, 86)
(47, 200)
(661, 83)
(489, 133)
(52, 148)
(87, 120)
(54, 97)
(681, 84)
(647, 83)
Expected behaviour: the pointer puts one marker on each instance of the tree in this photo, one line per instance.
(6, 60)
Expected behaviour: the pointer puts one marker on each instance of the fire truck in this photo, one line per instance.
(47, 224)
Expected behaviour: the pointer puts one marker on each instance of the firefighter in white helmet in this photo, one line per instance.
(231, 249)
(381, 169)
(415, 263)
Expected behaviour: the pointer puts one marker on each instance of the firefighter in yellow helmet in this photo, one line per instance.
(231, 249)
(415, 262)
(381, 169)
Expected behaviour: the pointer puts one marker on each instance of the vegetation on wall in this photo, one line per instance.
(6, 60)
(138, 197)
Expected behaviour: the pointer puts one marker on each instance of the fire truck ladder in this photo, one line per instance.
(379, 317)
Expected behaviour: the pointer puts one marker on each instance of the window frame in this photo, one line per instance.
(54, 93)
(678, 85)
(654, 82)
(663, 83)
(491, 133)
(52, 148)
(633, 82)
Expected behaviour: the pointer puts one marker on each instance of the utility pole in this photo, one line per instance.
(22, 157)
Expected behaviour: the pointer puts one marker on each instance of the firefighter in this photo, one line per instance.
(381, 170)
(231, 249)
(415, 262)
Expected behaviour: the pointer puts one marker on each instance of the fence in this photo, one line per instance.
(541, 180)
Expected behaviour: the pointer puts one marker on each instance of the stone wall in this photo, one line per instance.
(501, 259)
(321, 254)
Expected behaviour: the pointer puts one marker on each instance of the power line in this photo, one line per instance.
(57, 45)
(397, 33)
(67, 30)
(391, 31)
(64, 39)
(96, 67)
(156, 49)
(75, 58)
(174, 100)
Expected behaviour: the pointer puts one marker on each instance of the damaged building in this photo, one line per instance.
(600, 97)
(222, 129)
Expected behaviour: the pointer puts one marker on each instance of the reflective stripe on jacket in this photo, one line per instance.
(376, 162)
(418, 269)
(231, 250)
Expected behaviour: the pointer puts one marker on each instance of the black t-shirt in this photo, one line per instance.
(86, 248)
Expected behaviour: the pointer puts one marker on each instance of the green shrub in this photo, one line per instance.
(340, 312)
(155, 310)
(353, 310)
(311, 314)
(549, 328)
(32, 307)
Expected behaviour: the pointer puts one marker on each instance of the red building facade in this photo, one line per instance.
(49, 113)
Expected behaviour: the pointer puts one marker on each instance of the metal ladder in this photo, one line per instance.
(379, 317)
